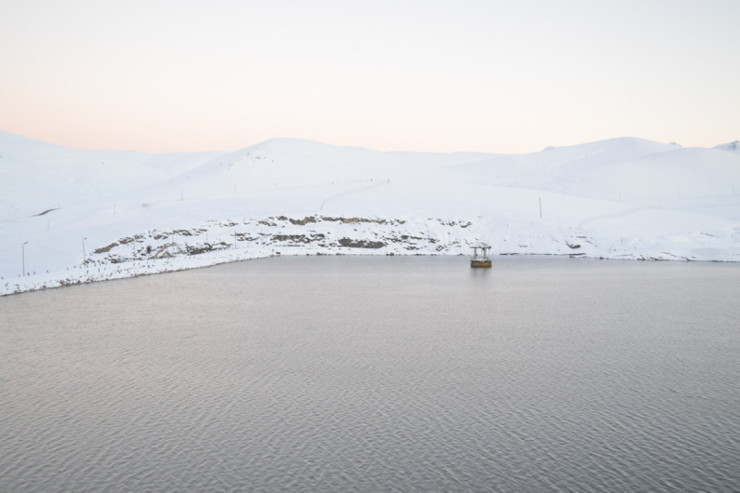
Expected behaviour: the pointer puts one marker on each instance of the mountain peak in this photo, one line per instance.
(731, 146)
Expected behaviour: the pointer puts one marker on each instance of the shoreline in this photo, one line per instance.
(224, 241)
(42, 282)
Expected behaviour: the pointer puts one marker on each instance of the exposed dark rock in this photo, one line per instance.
(106, 248)
(304, 221)
(348, 242)
(299, 238)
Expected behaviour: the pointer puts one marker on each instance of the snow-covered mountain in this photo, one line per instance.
(70, 215)
(733, 146)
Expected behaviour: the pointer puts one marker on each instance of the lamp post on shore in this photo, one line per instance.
(23, 258)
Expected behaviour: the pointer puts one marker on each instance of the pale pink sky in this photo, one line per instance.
(433, 75)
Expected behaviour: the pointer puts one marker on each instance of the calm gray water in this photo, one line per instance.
(377, 374)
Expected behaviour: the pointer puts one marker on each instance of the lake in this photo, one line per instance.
(377, 374)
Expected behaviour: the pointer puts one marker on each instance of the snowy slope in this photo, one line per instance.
(36, 176)
(70, 215)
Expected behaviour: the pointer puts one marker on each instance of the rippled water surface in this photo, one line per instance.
(377, 374)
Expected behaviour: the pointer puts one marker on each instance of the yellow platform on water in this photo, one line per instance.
(480, 256)
(480, 263)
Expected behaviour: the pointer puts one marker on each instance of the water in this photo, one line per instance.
(377, 374)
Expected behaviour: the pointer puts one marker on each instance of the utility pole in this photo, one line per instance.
(540, 198)
(23, 258)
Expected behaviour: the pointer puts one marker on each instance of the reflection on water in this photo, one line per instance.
(380, 374)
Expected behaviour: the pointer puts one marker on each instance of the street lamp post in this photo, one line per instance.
(23, 258)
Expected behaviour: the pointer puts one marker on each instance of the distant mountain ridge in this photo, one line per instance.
(731, 146)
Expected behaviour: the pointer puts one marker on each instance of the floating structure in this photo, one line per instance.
(480, 259)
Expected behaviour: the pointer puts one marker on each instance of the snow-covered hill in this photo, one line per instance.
(733, 146)
(70, 215)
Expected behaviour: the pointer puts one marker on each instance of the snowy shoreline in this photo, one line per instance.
(219, 242)
(70, 216)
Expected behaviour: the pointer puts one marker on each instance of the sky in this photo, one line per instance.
(416, 75)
